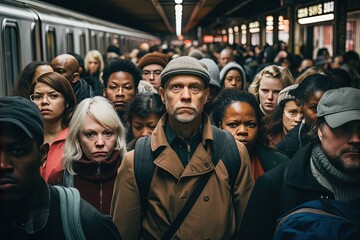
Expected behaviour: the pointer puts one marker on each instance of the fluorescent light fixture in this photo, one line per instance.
(321, 18)
(178, 1)
(178, 18)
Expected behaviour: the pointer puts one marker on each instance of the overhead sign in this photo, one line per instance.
(316, 13)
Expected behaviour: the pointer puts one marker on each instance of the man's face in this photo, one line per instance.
(120, 90)
(269, 89)
(184, 97)
(151, 73)
(66, 67)
(342, 146)
(19, 165)
(225, 58)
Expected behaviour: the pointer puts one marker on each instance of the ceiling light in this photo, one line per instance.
(178, 1)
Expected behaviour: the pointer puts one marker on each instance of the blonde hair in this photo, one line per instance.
(96, 55)
(273, 71)
(309, 71)
(102, 111)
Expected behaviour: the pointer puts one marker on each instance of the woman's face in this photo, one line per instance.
(40, 70)
(97, 142)
(50, 102)
(240, 120)
(143, 126)
(309, 108)
(292, 115)
(93, 65)
(233, 79)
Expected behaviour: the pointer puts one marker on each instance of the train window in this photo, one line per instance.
(50, 44)
(82, 44)
(94, 44)
(11, 50)
(102, 43)
(70, 41)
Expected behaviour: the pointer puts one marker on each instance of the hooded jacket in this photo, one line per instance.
(216, 214)
(231, 66)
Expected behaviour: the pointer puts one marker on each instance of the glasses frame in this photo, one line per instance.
(287, 114)
(59, 95)
(148, 73)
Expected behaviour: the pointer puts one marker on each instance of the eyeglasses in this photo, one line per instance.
(156, 73)
(292, 114)
(50, 97)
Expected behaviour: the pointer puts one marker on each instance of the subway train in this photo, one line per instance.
(32, 30)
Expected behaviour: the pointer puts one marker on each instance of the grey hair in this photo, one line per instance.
(102, 111)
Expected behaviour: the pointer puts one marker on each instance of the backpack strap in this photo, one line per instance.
(230, 157)
(70, 213)
(68, 179)
(143, 169)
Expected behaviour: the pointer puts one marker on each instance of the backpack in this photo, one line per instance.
(70, 213)
(144, 166)
(321, 219)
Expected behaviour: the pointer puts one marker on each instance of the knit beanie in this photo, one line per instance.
(195, 53)
(213, 71)
(285, 95)
(185, 65)
(231, 66)
(153, 58)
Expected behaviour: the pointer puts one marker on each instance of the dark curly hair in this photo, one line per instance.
(117, 65)
(228, 96)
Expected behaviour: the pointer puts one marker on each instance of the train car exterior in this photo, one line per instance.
(32, 30)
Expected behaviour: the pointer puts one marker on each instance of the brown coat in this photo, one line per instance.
(217, 212)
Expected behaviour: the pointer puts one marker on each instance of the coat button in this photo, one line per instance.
(207, 165)
(206, 198)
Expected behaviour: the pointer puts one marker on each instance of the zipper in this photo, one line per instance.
(98, 173)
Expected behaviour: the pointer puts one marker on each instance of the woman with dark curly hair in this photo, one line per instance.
(54, 96)
(239, 113)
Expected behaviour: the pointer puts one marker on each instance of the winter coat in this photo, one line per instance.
(273, 195)
(216, 214)
(94, 180)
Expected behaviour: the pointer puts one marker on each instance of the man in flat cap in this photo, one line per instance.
(326, 168)
(186, 152)
(151, 66)
(30, 208)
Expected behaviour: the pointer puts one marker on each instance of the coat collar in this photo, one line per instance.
(168, 160)
(299, 172)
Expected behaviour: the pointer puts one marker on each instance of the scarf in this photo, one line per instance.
(345, 186)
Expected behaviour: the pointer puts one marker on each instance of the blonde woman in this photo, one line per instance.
(267, 85)
(93, 151)
(94, 64)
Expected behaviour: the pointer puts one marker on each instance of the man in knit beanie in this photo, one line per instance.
(326, 168)
(151, 65)
(184, 152)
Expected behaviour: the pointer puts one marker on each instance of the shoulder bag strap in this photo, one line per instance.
(219, 137)
(187, 207)
(70, 213)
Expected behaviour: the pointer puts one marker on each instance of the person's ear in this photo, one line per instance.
(161, 93)
(76, 77)
(320, 133)
(44, 149)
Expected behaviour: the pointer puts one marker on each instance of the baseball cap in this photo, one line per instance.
(23, 113)
(339, 106)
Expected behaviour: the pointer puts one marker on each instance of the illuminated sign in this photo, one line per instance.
(254, 27)
(208, 39)
(316, 13)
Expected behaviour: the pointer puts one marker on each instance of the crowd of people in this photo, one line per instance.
(176, 143)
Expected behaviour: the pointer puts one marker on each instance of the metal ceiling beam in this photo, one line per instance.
(162, 14)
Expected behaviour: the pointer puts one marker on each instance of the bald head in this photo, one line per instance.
(68, 66)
